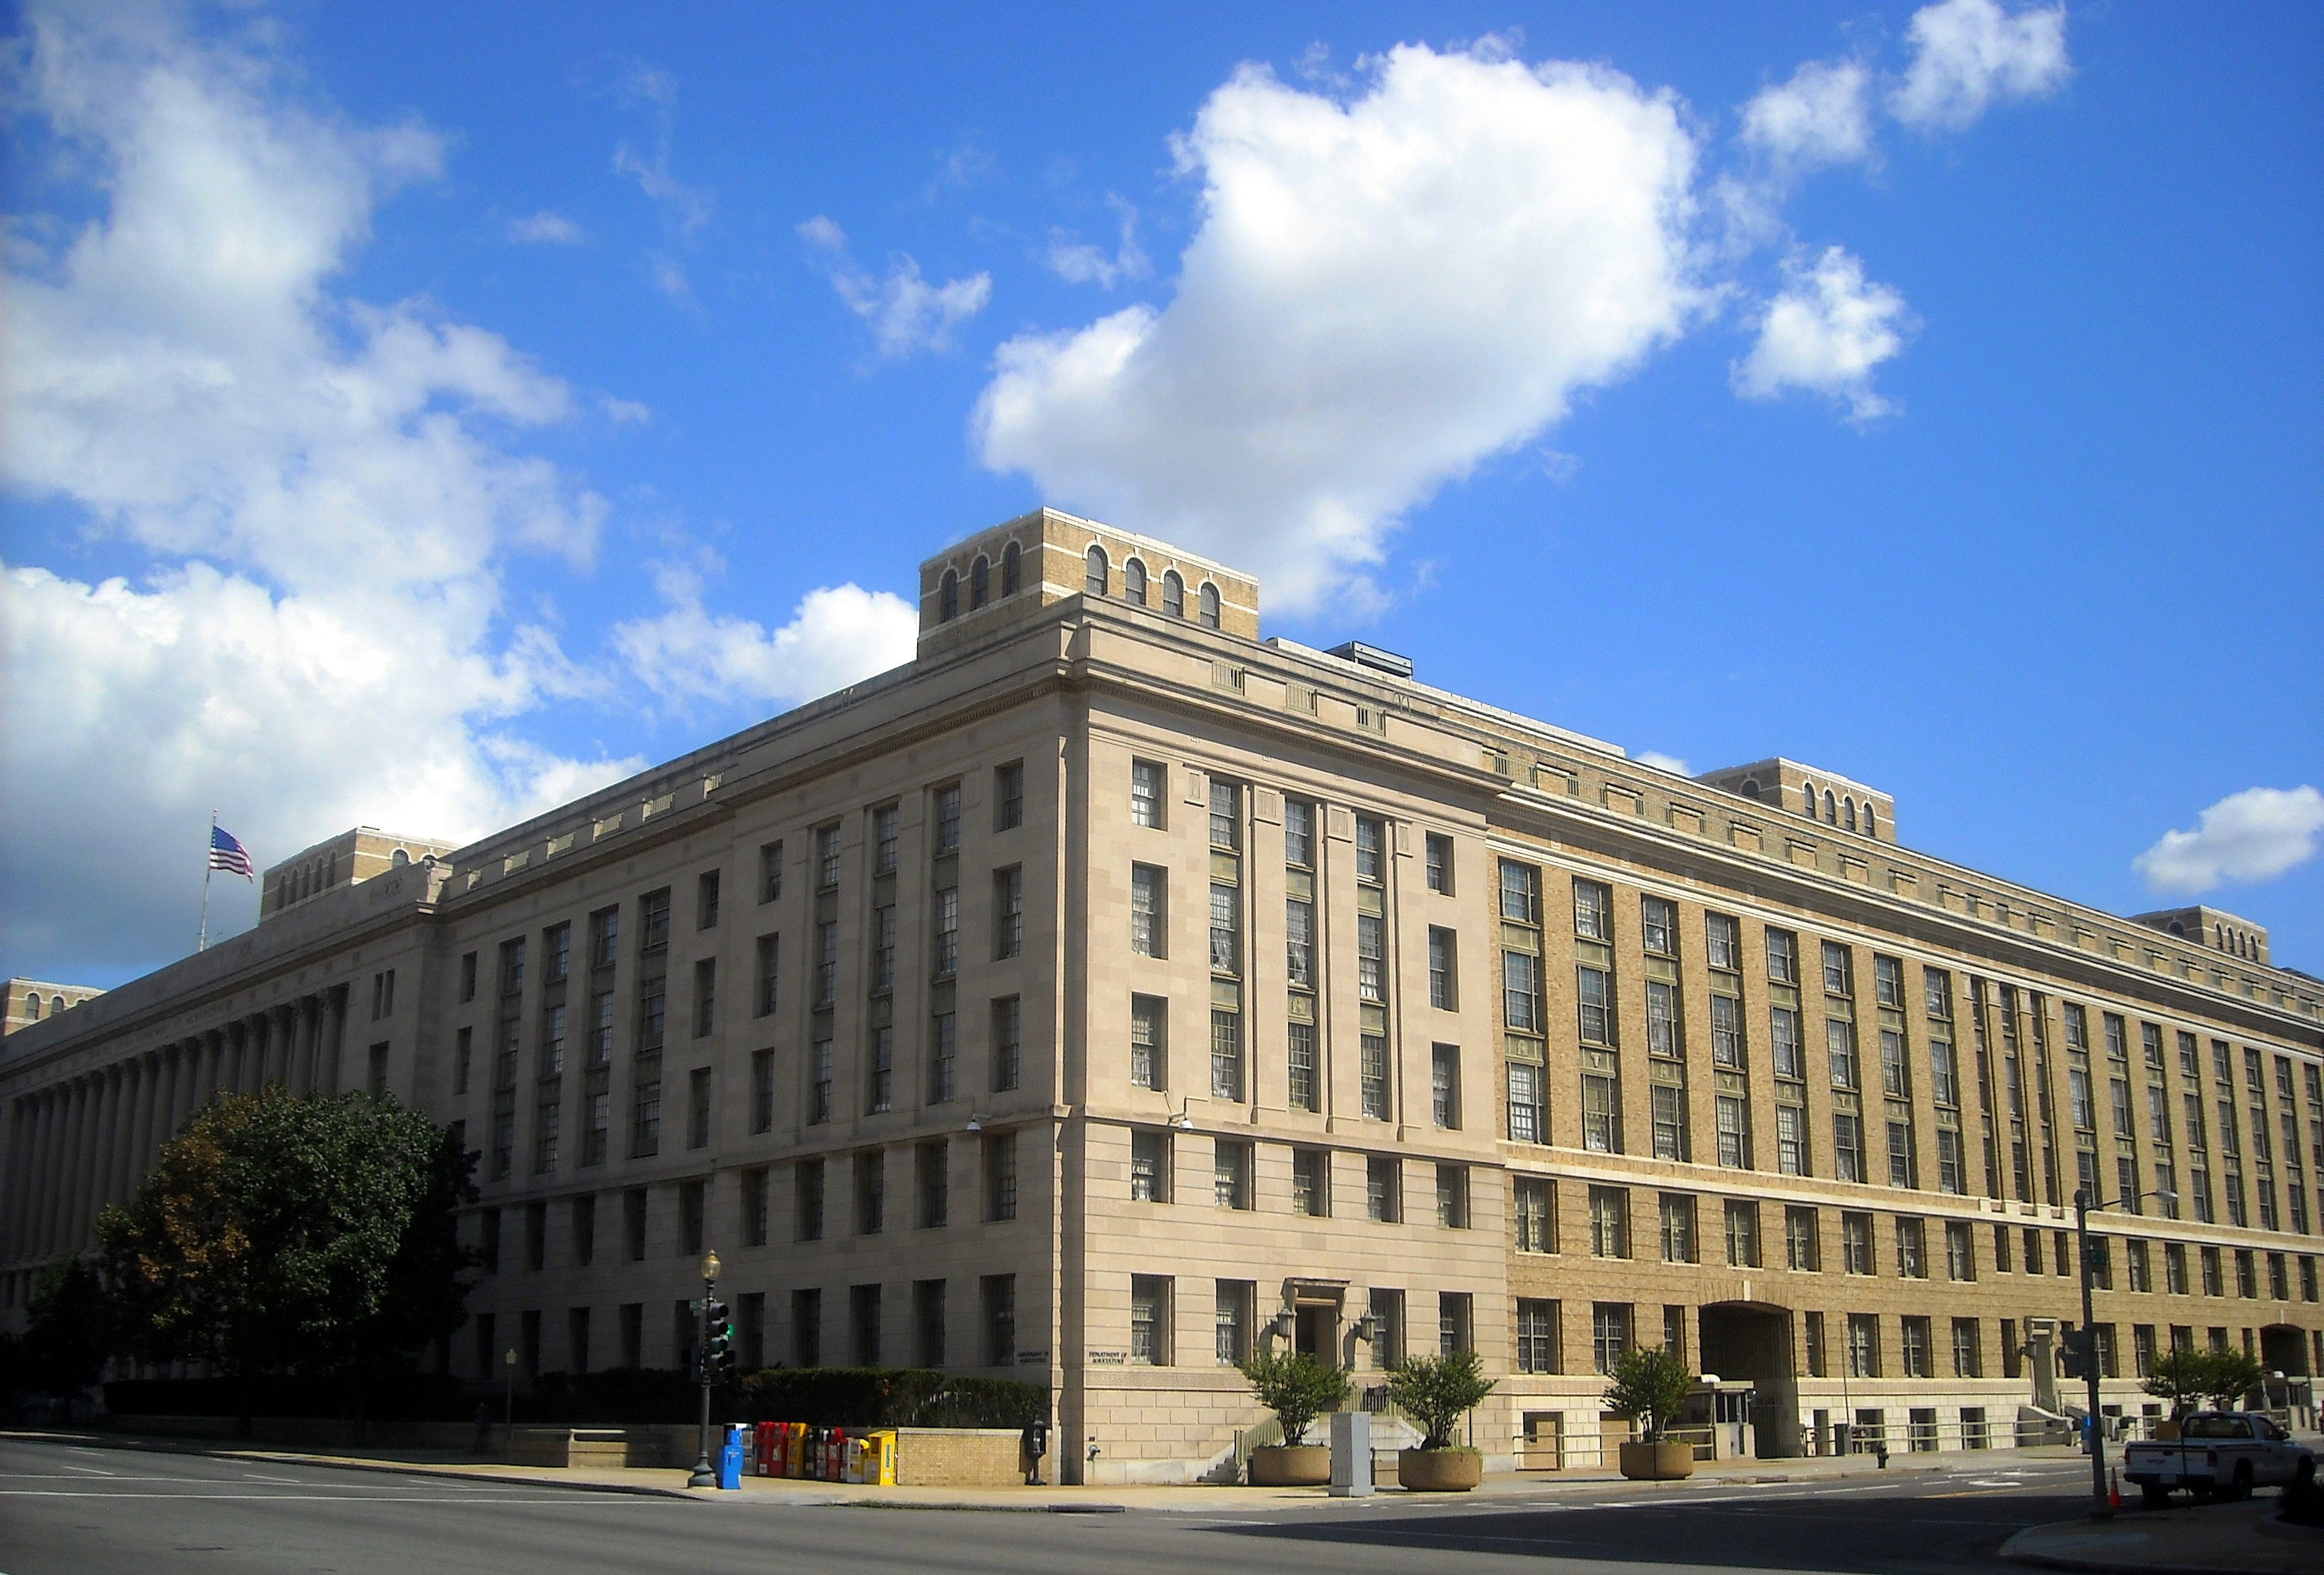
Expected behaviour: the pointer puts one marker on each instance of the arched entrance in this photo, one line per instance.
(2283, 1348)
(1753, 1340)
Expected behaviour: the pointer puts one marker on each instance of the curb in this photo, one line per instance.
(343, 1463)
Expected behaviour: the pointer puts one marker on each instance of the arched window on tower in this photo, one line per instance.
(1871, 821)
(1830, 808)
(1133, 583)
(1094, 581)
(1848, 811)
(1808, 792)
(1751, 789)
(1210, 603)
(948, 597)
(1011, 557)
(33, 1008)
(401, 859)
(1173, 593)
(979, 581)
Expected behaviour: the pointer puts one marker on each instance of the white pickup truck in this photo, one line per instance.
(2223, 1452)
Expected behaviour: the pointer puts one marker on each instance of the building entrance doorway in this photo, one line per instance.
(1753, 1340)
(1316, 1331)
(2283, 1348)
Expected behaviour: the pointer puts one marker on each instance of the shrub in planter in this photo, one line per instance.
(1435, 1393)
(1298, 1388)
(1649, 1387)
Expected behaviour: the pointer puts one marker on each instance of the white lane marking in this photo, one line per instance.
(86, 1470)
(254, 1477)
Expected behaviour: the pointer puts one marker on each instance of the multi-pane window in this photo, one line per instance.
(1147, 793)
(1912, 1249)
(1226, 1054)
(1009, 795)
(1149, 897)
(934, 1176)
(1226, 929)
(1914, 1343)
(1593, 915)
(1863, 1345)
(1660, 921)
(1528, 1112)
(1149, 1040)
(1536, 1335)
(1960, 1250)
(1311, 1182)
(1149, 1320)
(1371, 836)
(826, 857)
(1304, 1093)
(1610, 1222)
(1299, 943)
(1791, 1140)
(1803, 1240)
(1601, 1114)
(1520, 893)
(1231, 1164)
(1669, 1111)
(763, 991)
(1609, 1334)
(1725, 1030)
(1007, 912)
(1444, 1085)
(1722, 942)
(1443, 970)
(1371, 960)
(1384, 1188)
(1452, 1196)
(1856, 1244)
(1521, 992)
(943, 1057)
(1742, 1234)
(946, 951)
(1007, 1034)
(1440, 861)
(1677, 1228)
(885, 821)
(1149, 1167)
(1848, 1147)
(1298, 833)
(1534, 1208)
(1372, 1075)
(1733, 1115)
(1226, 817)
(1235, 1306)
(947, 820)
(1969, 1350)
(1000, 1175)
(1783, 957)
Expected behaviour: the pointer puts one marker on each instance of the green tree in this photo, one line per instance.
(1436, 1391)
(2181, 1377)
(1297, 1386)
(66, 1332)
(1650, 1385)
(2232, 1376)
(316, 1235)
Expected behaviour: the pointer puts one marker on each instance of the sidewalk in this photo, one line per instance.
(670, 1481)
(2216, 1539)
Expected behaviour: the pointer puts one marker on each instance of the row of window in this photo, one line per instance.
(1097, 576)
(869, 1342)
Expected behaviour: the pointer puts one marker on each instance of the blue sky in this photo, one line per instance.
(419, 415)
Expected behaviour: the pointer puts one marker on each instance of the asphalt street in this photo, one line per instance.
(76, 1510)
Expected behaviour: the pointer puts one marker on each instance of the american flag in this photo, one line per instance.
(228, 854)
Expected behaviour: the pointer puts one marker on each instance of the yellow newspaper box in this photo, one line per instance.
(872, 1459)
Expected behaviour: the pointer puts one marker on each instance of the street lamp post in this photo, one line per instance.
(2101, 1501)
(508, 1367)
(704, 1477)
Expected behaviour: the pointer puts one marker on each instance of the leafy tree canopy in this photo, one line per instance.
(1650, 1385)
(317, 1234)
(66, 1331)
(2186, 1377)
(1297, 1386)
(1436, 1391)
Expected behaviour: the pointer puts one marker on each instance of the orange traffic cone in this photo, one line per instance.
(2114, 1488)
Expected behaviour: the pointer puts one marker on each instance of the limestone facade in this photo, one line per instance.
(1105, 992)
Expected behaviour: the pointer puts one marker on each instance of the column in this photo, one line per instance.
(335, 1011)
(72, 1155)
(22, 1114)
(118, 1083)
(149, 1104)
(44, 1146)
(310, 1042)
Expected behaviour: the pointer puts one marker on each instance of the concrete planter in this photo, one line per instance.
(1291, 1466)
(1439, 1470)
(1657, 1462)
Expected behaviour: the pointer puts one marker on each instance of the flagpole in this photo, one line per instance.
(202, 940)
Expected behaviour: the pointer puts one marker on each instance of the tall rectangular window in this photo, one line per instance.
(706, 996)
(1226, 929)
(1384, 1188)
(1149, 898)
(1444, 1085)
(1528, 1112)
(1372, 1075)
(1303, 1092)
(871, 1193)
(771, 871)
(1298, 833)
(1733, 1115)
(1299, 943)
(1231, 1168)
(885, 837)
(1534, 1205)
(1226, 1054)
(1149, 1167)
(1009, 795)
(1803, 1244)
(807, 1179)
(754, 1207)
(1007, 1051)
(1609, 1334)
(946, 954)
(1452, 1196)
(1439, 848)
(947, 820)
(932, 1167)
(943, 1057)
(1007, 912)
(1536, 1335)
(1147, 793)
(1444, 973)
(1659, 920)
(1610, 1222)
(764, 994)
(1371, 955)
(1311, 1182)
(1149, 1320)
(928, 1323)
(1000, 1175)
(1234, 1311)
(881, 1094)
(698, 1108)
(1742, 1234)
(998, 1296)
(1678, 1227)
(827, 858)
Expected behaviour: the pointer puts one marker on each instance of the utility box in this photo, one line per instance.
(730, 1460)
(1351, 1454)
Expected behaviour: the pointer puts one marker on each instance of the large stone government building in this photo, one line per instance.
(1110, 990)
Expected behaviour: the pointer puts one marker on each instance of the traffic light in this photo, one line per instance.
(2074, 1353)
(718, 1339)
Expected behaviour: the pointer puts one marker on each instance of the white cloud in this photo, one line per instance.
(1663, 763)
(546, 228)
(1826, 331)
(319, 637)
(687, 208)
(1968, 53)
(1079, 261)
(2247, 837)
(1384, 292)
(1822, 116)
(905, 311)
(836, 636)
